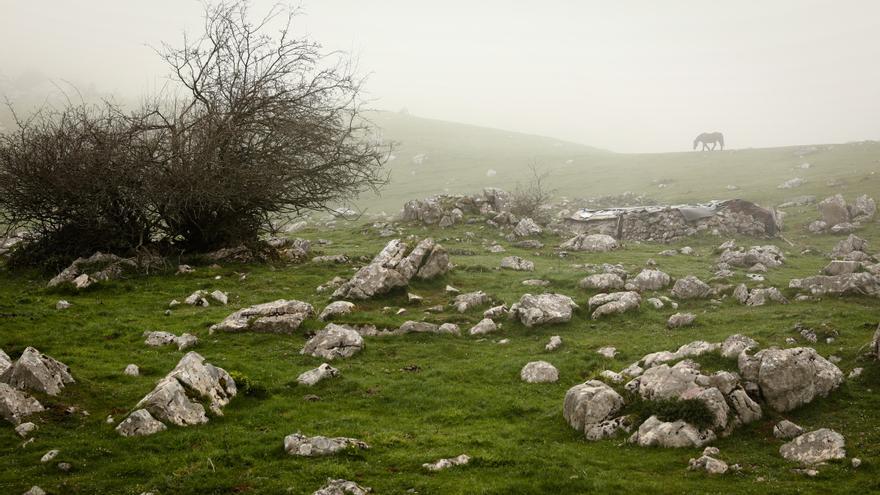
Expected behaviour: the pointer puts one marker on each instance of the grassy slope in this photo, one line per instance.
(460, 155)
(467, 398)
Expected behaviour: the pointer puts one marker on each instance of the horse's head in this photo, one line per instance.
(697, 141)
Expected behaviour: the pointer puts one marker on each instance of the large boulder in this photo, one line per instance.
(539, 372)
(317, 446)
(281, 316)
(589, 403)
(614, 303)
(833, 210)
(592, 243)
(178, 398)
(334, 341)
(691, 287)
(543, 309)
(815, 447)
(37, 372)
(16, 405)
(790, 378)
(677, 434)
(393, 268)
(651, 279)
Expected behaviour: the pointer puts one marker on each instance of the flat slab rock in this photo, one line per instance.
(543, 309)
(334, 341)
(815, 447)
(318, 446)
(281, 316)
(37, 372)
(442, 464)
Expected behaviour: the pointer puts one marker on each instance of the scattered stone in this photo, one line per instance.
(786, 430)
(496, 312)
(536, 283)
(334, 341)
(517, 264)
(393, 268)
(602, 281)
(691, 287)
(318, 446)
(526, 228)
(281, 316)
(593, 243)
(48, 456)
(99, 267)
(708, 464)
(470, 300)
(131, 370)
(654, 432)
(612, 376)
(679, 320)
(555, 343)
(736, 344)
(833, 210)
(656, 303)
(16, 405)
(543, 309)
(608, 352)
(483, 327)
(539, 372)
(37, 372)
(336, 308)
(342, 487)
(25, 429)
(62, 304)
(614, 303)
(140, 423)
(855, 462)
(815, 447)
(220, 296)
(198, 298)
(651, 280)
(447, 463)
(313, 376)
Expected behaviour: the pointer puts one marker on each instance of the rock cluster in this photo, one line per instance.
(99, 267)
(318, 446)
(159, 339)
(517, 263)
(448, 210)
(178, 398)
(342, 487)
(281, 316)
(768, 256)
(394, 267)
(840, 217)
(758, 296)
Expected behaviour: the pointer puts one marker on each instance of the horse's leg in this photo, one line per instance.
(714, 144)
(705, 147)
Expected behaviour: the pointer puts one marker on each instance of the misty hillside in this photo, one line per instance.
(434, 157)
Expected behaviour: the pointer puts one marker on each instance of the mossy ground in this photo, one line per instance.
(466, 396)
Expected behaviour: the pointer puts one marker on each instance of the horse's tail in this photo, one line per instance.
(696, 141)
(721, 140)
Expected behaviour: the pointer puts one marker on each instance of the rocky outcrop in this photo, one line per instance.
(539, 372)
(178, 398)
(37, 372)
(394, 267)
(334, 341)
(862, 283)
(281, 316)
(815, 447)
(16, 405)
(851, 244)
(318, 446)
(543, 309)
(591, 243)
(614, 303)
(790, 378)
(99, 267)
(527, 228)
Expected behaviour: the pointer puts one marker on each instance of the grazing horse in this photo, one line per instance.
(713, 138)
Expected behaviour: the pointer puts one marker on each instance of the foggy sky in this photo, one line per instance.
(632, 75)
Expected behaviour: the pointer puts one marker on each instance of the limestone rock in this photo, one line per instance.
(483, 327)
(16, 405)
(140, 423)
(131, 370)
(526, 228)
(517, 264)
(833, 210)
(589, 403)
(543, 309)
(815, 447)
(862, 283)
(850, 244)
(555, 343)
(539, 372)
(651, 279)
(593, 243)
(654, 432)
(281, 316)
(709, 464)
(99, 267)
(744, 407)
(447, 463)
(314, 376)
(789, 378)
(393, 268)
(735, 344)
(614, 303)
(602, 281)
(342, 487)
(334, 341)
(691, 287)
(37, 372)
(336, 308)
(318, 446)
(470, 300)
(786, 430)
(5, 362)
(679, 320)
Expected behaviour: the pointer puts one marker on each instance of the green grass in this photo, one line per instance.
(466, 396)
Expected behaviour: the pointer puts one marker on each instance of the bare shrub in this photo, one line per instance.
(532, 198)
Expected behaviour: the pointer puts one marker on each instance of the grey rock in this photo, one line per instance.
(140, 423)
(483, 327)
(709, 464)
(589, 403)
(614, 303)
(744, 407)
(691, 287)
(539, 372)
(593, 243)
(815, 447)
(131, 370)
(496, 312)
(447, 463)
(25, 429)
(606, 429)
(334, 341)
(37, 372)
(678, 434)
(862, 283)
(543, 309)
(602, 281)
(336, 308)
(281, 316)
(735, 344)
(470, 300)
(786, 430)
(318, 446)
(651, 279)
(555, 343)
(526, 228)
(789, 378)
(342, 487)
(679, 320)
(518, 264)
(833, 210)
(16, 405)
(313, 376)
